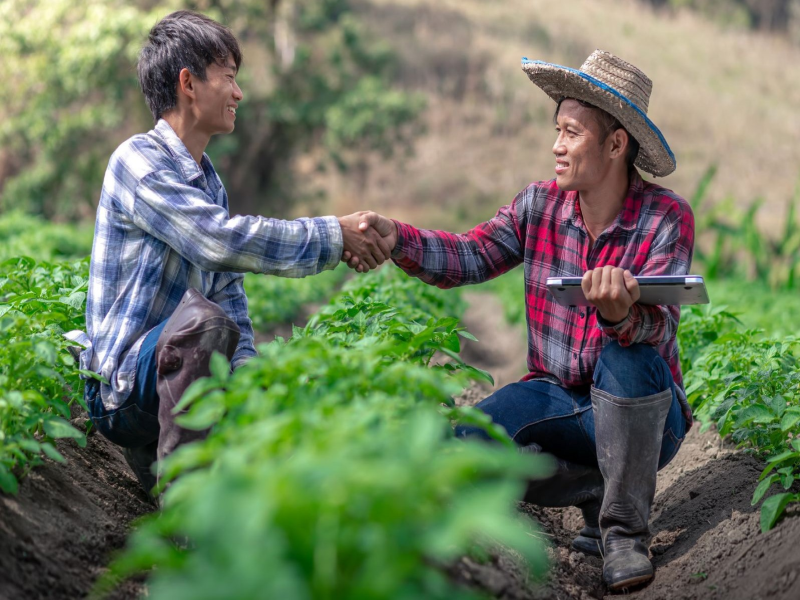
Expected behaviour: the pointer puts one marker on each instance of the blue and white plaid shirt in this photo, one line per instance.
(162, 228)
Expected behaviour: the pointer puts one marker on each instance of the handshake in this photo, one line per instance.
(368, 240)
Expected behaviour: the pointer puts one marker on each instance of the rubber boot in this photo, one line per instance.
(141, 461)
(571, 485)
(628, 433)
(196, 329)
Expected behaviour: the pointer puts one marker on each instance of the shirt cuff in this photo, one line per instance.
(331, 242)
(403, 238)
(616, 330)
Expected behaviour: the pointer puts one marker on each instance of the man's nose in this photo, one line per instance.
(237, 92)
(558, 146)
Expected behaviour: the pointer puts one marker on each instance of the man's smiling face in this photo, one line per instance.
(217, 98)
(582, 162)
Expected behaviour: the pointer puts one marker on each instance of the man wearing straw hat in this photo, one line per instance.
(604, 392)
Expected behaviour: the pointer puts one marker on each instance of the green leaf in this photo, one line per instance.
(467, 335)
(52, 453)
(755, 413)
(202, 415)
(778, 404)
(762, 489)
(783, 456)
(57, 427)
(220, 367)
(479, 374)
(31, 446)
(8, 483)
(93, 375)
(790, 418)
(773, 508)
(451, 343)
(197, 389)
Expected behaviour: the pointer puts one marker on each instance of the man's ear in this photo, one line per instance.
(186, 83)
(619, 143)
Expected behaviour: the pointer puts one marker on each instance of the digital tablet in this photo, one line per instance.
(659, 290)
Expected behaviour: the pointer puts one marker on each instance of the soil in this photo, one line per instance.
(57, 534)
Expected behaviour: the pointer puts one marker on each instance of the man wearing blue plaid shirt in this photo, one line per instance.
(165, 287)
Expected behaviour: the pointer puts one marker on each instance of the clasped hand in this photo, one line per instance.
(612, 290)
(368, 239)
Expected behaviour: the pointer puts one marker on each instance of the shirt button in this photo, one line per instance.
(575, 355)
(583, 315)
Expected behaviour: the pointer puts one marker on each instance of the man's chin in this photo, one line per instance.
(564, 184)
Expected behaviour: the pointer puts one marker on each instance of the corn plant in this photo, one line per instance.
(730, 243)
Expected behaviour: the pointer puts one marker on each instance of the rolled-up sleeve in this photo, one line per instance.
(203, 233)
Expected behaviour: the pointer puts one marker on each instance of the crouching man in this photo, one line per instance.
(165, 287)
(604, 390)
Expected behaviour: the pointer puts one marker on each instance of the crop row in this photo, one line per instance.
(39, 379)
(748, 386)
(331, 470)
(41, 393)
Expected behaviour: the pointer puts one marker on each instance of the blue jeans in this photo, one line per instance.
(135, 423)
(561, 420)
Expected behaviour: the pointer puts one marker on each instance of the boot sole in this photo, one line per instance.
(633, 581)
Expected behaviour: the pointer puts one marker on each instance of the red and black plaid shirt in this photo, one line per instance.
(543, 229)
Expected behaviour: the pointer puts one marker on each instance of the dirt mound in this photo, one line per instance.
(57, 535)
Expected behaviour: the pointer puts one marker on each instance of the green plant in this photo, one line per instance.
(731, 244)
(275, 300)
(749, 387)
(39, 381)
(331, 470)
(27, 235)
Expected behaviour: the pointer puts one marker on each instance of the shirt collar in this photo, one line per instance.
(189, 168)
(627, 218)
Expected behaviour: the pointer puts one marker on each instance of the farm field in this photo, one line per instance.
(331, 470)
(707, 543)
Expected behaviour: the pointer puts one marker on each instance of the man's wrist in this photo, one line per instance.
(614, 320)
(399, 238)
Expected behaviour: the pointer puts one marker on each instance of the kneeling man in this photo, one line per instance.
(604, 391)
(168, 260)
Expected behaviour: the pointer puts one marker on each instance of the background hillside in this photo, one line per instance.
(412, 107)
(721, 96)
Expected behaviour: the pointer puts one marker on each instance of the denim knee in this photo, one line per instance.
(631, 371)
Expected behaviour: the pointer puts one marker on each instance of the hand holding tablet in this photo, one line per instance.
(658, 290)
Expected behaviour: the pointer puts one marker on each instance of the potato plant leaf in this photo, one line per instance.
(773, 508)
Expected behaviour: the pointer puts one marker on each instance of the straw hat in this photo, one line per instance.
(616, 87)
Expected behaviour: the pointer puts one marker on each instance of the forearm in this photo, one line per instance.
(204, 234)
(449, 260)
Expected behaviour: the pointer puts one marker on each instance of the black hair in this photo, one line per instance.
(608, 125)
(183, 39)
